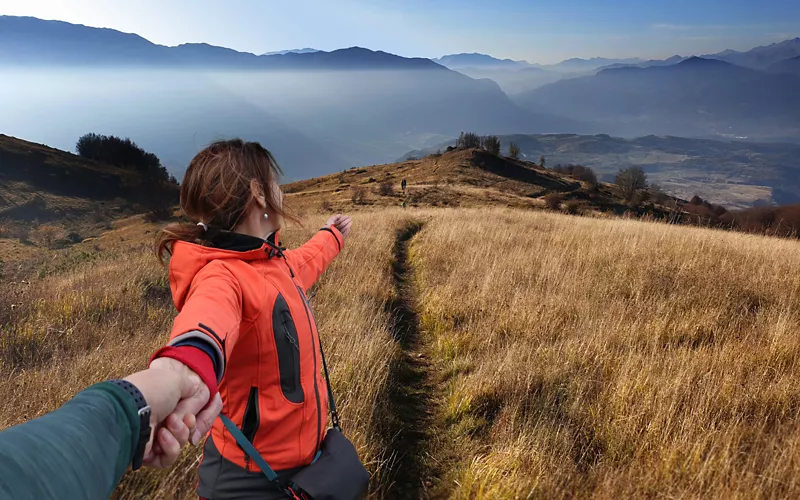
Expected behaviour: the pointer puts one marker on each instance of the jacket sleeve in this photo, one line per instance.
(80, 450)
(312, 259)
(211, 314)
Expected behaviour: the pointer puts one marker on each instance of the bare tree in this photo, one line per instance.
(631, 180)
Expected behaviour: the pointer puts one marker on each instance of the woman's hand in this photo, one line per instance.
(188, 421)
(165, 390)
(341, 222)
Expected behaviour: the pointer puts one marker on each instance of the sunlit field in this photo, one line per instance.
(615, 359)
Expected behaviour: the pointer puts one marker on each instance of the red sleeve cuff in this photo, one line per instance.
(197, 361)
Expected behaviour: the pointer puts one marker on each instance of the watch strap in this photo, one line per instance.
(143, 409)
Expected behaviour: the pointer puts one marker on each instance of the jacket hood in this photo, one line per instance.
(188, 259)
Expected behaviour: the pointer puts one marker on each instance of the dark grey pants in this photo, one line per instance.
(221, 479)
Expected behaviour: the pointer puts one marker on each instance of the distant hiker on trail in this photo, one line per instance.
(245, 323)
(82, 449)
(403, 185)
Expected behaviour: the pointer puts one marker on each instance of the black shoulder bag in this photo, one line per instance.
(336, 474)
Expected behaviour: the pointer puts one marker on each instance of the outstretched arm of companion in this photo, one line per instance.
(312, 259)
(82, 449)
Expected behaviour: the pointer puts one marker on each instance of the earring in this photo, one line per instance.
(266, 216)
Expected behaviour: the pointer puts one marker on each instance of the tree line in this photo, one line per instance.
(122, 153)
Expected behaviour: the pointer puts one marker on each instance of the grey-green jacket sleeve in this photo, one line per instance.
(80, 450)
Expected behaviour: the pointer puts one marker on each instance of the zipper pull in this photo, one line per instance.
(292, 340)
(287, 265)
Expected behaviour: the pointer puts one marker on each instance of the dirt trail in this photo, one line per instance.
(412, 389)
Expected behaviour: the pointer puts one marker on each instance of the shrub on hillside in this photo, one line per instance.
(386, 188)
(573, 207)
(46, 235)
(18, 231)
(491, 143)
(74, 237)
(122, 153)
(579, 172)
(468, 140)
(513, 150)
(158, 214)
(631, 180)
(658, 195)
(358, 195)
(553, 201)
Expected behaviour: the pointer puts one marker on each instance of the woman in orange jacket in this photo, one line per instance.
(245, 326)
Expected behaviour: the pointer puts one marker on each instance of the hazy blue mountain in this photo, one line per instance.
(292, 51)
(459, 61)
(577, 65)
(647, 64)
(787, 66)
(697, 97)
(761, 57)
(320, 111)
(733, 173)
(27, 41)
(31, 42)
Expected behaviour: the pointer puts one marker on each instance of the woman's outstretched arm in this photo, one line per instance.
(312, 259)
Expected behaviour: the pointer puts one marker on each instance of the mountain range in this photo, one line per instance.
(460, 61)
(319, 111)
(696, 97)
(290, 51)
(325, 111)
(761, 57)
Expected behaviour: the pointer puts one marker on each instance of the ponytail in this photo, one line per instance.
(192, 233)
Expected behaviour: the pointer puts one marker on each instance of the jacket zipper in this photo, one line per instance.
(293, 342)
(250, 434)
(315, 347)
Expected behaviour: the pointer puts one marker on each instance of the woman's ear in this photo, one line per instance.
(257, 192)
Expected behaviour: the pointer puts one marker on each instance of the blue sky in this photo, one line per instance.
(537, 31)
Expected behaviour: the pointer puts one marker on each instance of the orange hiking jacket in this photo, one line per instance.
(245, 298)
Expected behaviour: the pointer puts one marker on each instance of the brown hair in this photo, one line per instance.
(216, 191)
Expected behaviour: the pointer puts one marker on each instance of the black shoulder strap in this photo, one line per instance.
(331, 402)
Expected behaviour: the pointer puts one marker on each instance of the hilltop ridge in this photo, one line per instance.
(40, 184)
(457, 178)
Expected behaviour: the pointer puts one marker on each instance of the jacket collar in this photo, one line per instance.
(237, 242)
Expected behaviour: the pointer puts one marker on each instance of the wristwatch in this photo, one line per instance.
(144, 421)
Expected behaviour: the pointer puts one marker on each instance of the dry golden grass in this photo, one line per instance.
(611, 359)
(101, 317)
(565, 357)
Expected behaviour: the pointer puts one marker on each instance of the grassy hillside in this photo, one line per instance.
(734, 174)
(461, 178)
(610, 359)
(484, 352)
(52, 199)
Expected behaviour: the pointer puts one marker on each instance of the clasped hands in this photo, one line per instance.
(180, 409)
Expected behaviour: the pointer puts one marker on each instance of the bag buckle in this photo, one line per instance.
(289, 490)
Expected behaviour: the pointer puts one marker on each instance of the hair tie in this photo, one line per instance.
(205, 228)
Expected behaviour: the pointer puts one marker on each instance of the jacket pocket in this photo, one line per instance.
(251, 417)
(288, 350)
